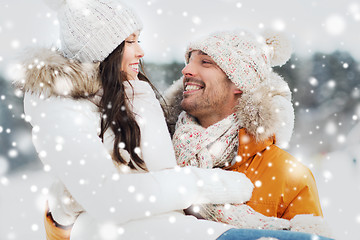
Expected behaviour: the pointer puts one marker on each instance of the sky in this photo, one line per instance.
(169, 26)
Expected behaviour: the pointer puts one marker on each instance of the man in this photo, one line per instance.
(238, 113)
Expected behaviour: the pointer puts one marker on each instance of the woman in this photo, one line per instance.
(78, 98)
(99, 128)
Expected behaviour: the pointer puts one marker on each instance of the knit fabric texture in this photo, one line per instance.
(215, 146)
(245, 58)
(91, 29)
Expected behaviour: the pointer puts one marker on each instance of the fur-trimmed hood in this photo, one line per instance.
(264, 111)
(46, 72)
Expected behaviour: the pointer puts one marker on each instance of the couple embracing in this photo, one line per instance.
(219, 173)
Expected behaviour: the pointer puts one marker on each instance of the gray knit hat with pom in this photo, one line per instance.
(244, 57)
(264, 108)
(91, 29)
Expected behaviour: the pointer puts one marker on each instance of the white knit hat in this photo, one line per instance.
(245, 58)
(91, 29)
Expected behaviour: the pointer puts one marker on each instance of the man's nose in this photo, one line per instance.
(188, 70)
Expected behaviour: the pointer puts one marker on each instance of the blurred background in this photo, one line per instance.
(323, 74)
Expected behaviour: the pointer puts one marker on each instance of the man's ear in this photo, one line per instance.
(238, 91)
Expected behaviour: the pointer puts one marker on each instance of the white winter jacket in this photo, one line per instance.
(102, 196)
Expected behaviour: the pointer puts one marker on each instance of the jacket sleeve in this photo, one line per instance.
(307, 199)
(156, 146)
(65, 137)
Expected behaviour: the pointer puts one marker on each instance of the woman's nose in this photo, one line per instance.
(139, 52)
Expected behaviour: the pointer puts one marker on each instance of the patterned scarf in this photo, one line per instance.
(215, 146)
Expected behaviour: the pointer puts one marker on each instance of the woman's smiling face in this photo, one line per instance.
(131, 55)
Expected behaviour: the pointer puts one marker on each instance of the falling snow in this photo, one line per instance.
(324, 74)
(335, 24)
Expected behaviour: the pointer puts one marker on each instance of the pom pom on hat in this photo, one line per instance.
(280, 47)
(55, 4)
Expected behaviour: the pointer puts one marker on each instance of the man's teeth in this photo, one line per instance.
(192, 87)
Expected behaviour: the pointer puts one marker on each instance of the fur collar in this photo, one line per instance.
(46, 72)
(264, 112)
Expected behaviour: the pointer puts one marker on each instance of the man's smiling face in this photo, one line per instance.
(208, 93)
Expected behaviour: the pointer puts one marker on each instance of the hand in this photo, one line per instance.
(219, 186)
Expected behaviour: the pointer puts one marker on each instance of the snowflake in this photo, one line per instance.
(210, 231)
(33, 188)
(330, 128)
(34, 227)
(15, 44)
(196, 20)
(139, 197)
(13, 153)
(159, 11)
(335, 25)
(108, 231)
(152, 199)
(279, 25)
(313, 81)
(121, 145)
(131, 189)
(341, 139)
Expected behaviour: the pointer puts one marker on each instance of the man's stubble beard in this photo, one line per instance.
(200, 107)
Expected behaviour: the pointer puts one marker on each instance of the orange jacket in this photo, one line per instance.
(54, 231)
(284, 187)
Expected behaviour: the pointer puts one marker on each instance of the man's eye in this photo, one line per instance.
(130, 41)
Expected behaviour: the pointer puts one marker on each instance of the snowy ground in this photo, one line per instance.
(22, 199)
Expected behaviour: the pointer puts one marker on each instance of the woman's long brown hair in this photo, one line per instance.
(116, 113)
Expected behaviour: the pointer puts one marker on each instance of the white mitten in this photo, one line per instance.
(242, 216)
(218, 186)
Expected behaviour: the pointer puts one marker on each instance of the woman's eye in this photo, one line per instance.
(206, 62)
(132, 42)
